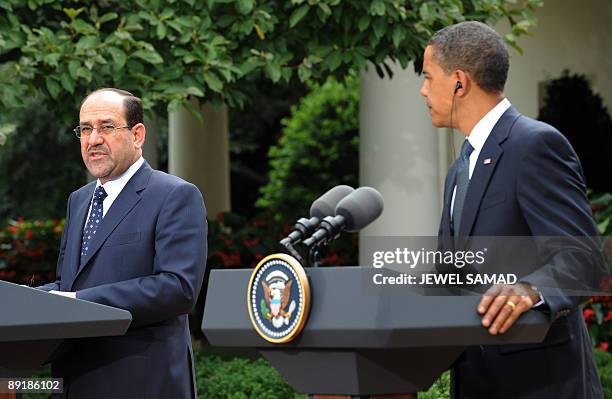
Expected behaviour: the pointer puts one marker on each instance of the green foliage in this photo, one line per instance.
(604, 368)
(239, 379)
(318, 150)
(40, 164)
(579, 113)
(168, 50)
(602, 211)
(439, 390)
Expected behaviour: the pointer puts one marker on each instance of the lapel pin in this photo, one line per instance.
(487, 161)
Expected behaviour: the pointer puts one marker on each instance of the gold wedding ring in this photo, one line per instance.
(511, 304)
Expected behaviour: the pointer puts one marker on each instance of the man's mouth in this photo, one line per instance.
(93, 155)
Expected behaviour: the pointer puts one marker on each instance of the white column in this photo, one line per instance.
(401, 154)
(199, 153)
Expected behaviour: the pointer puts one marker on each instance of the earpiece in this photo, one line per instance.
(458, 86)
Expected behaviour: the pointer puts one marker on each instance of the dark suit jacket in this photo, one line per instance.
(148, 257)
(531, 186)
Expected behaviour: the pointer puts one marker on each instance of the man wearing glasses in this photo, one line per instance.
(134, 239)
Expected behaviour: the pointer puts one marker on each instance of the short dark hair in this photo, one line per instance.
(134, 112)
(475, 48)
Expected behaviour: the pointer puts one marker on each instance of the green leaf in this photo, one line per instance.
(85, 74)
(399, 33)
(380, 27)
(425, 13)
(377, 8)
(161, 30)
(152, 57)
(176, 26)
(72, 13)
(119, 58)
(83, 27)
(53, 87)
(86, 43)
(273, 71)
(108, 17)
(195, 91)
(167, 13)
(213, 82)
(325, 8)
(67, 83)
(73, 68)
(363, 23)
(298, 14)
(304, 73)
(244, 6)
(334, 60)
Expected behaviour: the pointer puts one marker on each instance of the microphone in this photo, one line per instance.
(323, 206)
(353, 213)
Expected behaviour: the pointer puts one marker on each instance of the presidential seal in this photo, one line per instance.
(278, 298)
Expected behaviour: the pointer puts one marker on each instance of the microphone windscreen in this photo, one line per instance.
(325, 205)
(360, 208)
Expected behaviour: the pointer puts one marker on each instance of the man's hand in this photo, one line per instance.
(64, 293)
(502, 305)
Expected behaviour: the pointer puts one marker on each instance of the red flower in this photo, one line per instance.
(232, 259)
(29, 234)
(603, 346)
(249, 243)
(588, 314)
(12, 229)
(219, 217)
(7, 274)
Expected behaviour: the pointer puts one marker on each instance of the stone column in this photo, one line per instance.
(150, 150)
(401, 154)
(198, 151)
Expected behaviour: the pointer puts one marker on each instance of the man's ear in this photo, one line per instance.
(462, 82)
(140, 131)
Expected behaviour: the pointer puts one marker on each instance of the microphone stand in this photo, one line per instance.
(314, 255)
(292, 251)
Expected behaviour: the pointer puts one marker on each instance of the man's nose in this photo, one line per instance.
(94, 138)
(423, 90)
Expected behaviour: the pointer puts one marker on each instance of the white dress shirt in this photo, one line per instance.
(113, 187)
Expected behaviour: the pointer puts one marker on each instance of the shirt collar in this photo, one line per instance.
(114, 187)
(483, 128)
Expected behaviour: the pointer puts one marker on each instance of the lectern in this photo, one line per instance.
(34, 323)
(358, 341)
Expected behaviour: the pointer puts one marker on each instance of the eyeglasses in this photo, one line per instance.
(103, 130)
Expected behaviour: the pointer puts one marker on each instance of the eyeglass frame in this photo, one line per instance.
(79, 134)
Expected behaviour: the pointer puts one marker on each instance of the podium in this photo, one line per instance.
(34, 323)
(356, 341)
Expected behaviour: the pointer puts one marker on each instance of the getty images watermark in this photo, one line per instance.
(423, 258)
(476, 263)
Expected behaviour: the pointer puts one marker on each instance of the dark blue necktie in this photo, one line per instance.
(463, 180)
(95, 217)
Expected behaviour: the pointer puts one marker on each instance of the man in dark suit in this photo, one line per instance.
(134, 239)
(514, 177)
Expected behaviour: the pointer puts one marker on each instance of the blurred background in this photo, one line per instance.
(265, 105)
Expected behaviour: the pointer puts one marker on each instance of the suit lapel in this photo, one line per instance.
(75, 237)
(123, 204)
(492, 152)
